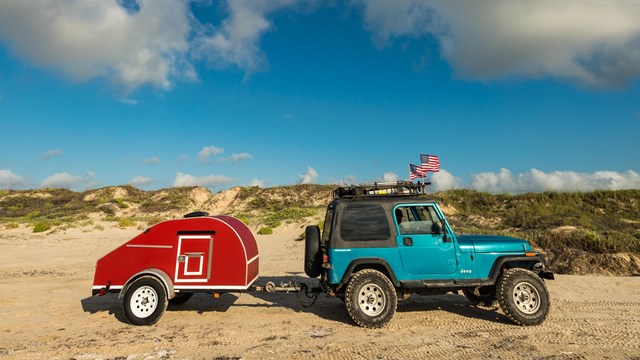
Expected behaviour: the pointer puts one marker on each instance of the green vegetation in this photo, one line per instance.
(41, 227)
(12, 225)
(265, 231)
(597, 222)
(126, 222)
(120, 203)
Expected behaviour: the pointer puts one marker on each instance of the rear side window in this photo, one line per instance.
(362, 222)
(328, 224)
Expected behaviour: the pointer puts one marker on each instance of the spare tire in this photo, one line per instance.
(312, 254)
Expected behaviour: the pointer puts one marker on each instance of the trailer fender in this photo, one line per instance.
(166, 280)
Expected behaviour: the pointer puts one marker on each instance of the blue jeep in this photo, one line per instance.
(383, 242)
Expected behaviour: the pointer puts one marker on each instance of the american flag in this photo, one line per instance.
(415, 173)
(429, 163)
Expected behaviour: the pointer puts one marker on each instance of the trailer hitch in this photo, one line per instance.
(293, 287)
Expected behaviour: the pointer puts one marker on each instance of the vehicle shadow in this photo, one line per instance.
(332, 309)
(453, 303)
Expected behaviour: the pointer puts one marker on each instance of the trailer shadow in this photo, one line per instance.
(108, 302)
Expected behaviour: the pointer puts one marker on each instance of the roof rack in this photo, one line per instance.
(376, 189)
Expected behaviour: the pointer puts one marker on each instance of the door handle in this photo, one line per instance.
(407, 241)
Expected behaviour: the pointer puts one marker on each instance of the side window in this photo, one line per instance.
(417, 219)
(327, 225)
(361, 222)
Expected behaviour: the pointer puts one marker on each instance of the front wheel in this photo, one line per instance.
(523, 297)
(371, 299)
(145, 301)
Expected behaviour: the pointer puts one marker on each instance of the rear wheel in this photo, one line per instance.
(312, 254)
(180, 298)
(145, 301)
(370, 298)
(523, 297)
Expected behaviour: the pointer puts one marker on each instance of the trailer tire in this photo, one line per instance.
(180, 298)
(312, 254)
(371, 299)
(145, 301)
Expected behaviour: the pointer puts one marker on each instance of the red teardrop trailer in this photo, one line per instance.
(174, 259)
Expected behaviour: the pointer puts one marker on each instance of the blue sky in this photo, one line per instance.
(513, 96)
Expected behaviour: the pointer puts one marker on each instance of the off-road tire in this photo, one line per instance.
(370, 299)
(180, 298)
(486, 296)
(145, 301)
(312, 254)
(523, 296)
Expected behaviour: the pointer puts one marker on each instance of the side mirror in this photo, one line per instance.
(435, 228)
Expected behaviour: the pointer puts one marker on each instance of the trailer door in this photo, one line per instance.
(193, 263)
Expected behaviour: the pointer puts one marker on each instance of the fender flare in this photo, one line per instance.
(369, 261)
(166, 280)
(497, 264)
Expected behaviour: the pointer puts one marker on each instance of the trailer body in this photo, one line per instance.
(194, 254)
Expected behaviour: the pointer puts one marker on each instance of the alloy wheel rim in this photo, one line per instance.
(526, 297)
(371, 299)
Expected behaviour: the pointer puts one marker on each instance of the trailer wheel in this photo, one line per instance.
(312, 254)
(523, 297)
(180, 298)
(145, 301)
(370, 298)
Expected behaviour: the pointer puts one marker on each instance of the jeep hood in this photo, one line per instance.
(496, 244)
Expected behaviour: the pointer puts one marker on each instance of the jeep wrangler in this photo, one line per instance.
(385, 241)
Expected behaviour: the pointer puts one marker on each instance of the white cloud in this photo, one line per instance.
(129, 101)
(206, 181)
(86, 39)
(349, 180)
(182, 159)
(209, 151)
(52, 153)
(67, 181)
(310, 177)
(235, 158)
(236, 41)
(444, 180)
(590, 42)
(140, 181)
(9, 180)
(259, 182)
(390, 177)
(537, 181)
(154, 160)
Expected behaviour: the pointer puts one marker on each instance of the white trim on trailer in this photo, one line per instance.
(253, 259)
(211, 287)
(150, 246)
(114, 287)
